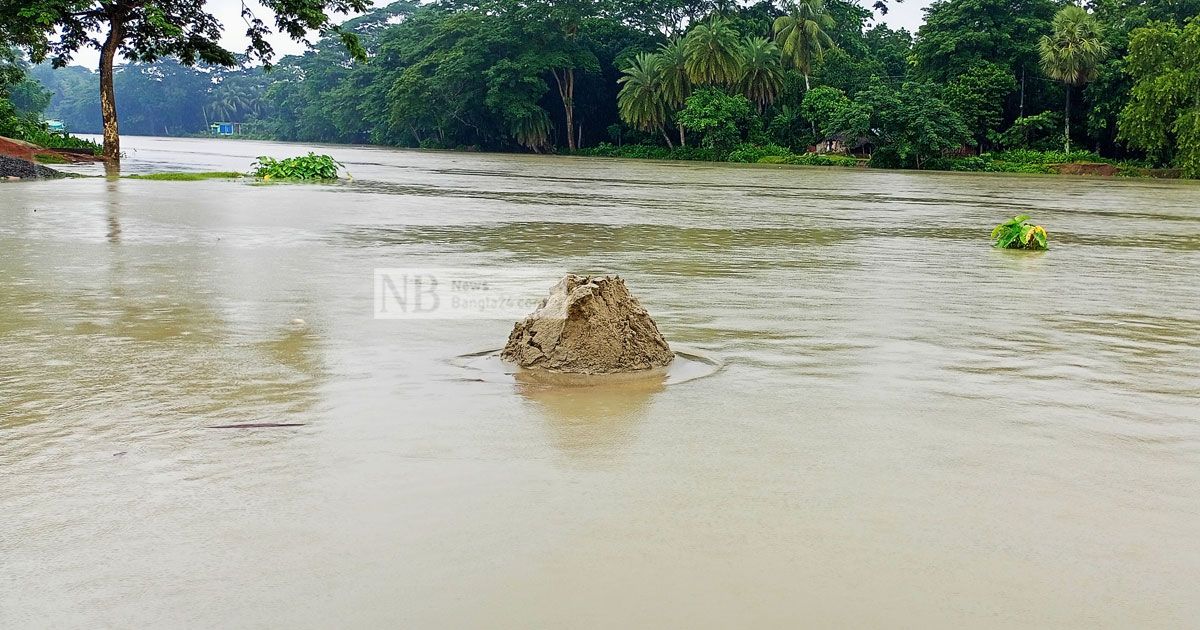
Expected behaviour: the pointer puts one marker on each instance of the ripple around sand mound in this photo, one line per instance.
(488, 366)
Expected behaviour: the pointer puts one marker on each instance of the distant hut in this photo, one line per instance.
(841, 145)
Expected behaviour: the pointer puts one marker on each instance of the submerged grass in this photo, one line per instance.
(188, 177)
(49, 158)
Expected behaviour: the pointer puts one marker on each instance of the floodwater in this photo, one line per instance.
(908, 428)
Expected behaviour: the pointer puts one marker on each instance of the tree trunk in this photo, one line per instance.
(806, 82)
(666, 137)
(1067, 121)
(108, 100)
(682, 138)
(1022, 114)
(566, 91)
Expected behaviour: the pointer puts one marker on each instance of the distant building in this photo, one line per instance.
(221, 129)
(839, 144)
(56, 126)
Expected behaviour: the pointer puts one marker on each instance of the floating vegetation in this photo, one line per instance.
(1016, 233)
(304, 167)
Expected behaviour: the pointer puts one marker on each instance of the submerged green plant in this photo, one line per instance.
(186, 177)
(1015, 233)
(311, 166)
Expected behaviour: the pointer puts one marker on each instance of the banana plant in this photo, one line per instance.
(1015, 233)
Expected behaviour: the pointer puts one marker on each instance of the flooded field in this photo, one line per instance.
(906, 427)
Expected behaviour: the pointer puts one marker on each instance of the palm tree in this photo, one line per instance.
(676, 86)
(801, 35)
(1071, 54)
(532, 131)
(762, 74)
(231, 102)
(713, 54)
(640, 101)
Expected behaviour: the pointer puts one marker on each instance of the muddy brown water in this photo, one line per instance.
(909, 429)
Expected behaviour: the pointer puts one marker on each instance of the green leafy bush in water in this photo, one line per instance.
(1015, 233)
(311, 166)
(747, 152)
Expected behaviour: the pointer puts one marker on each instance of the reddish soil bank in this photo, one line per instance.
(25, 151)
(1087, 168)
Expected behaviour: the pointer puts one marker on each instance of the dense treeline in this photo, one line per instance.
(1118, 77)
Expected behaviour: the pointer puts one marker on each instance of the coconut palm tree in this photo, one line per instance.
(713, 53)
(801, 35)
(1071, 54)
(676, 86)
(640, 101)
(762, 74)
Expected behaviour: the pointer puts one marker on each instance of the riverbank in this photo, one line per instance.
(1021, 161)
(15, 168)
(34, 153)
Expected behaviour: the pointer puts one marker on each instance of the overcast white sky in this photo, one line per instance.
(907, 14)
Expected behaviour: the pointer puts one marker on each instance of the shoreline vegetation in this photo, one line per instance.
(1017, 86)
(1023, 161)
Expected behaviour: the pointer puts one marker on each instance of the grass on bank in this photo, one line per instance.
(188, 177)
(49, 158)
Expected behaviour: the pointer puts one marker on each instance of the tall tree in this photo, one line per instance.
(641, 101)
(801, 35)
(1163, 115)
(144, 30)
(762, 74)
(676, 84)
(713, 53)
(1071, 54)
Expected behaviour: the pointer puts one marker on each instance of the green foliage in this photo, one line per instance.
(801, 35)
(650, 152)
(1029, 132)
(755, 153)
(721, 119)
(304, 167)
(165, 28)
(775, 154)
(642, 102)
(1163, 115)
(533, 76)
(1025, 156)
(1072, 54)
(1075, 47)
(49, 158)
(714, 55)
(978, 96)
(789, 128)
(821, 159)
(910, 124)
(146, 31)
(959, 35)
(827, 108)
(761, 73)
(1015, 233)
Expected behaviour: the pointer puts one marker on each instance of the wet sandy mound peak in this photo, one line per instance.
(588, 325)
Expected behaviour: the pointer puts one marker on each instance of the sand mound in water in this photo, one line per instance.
(588, 325)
